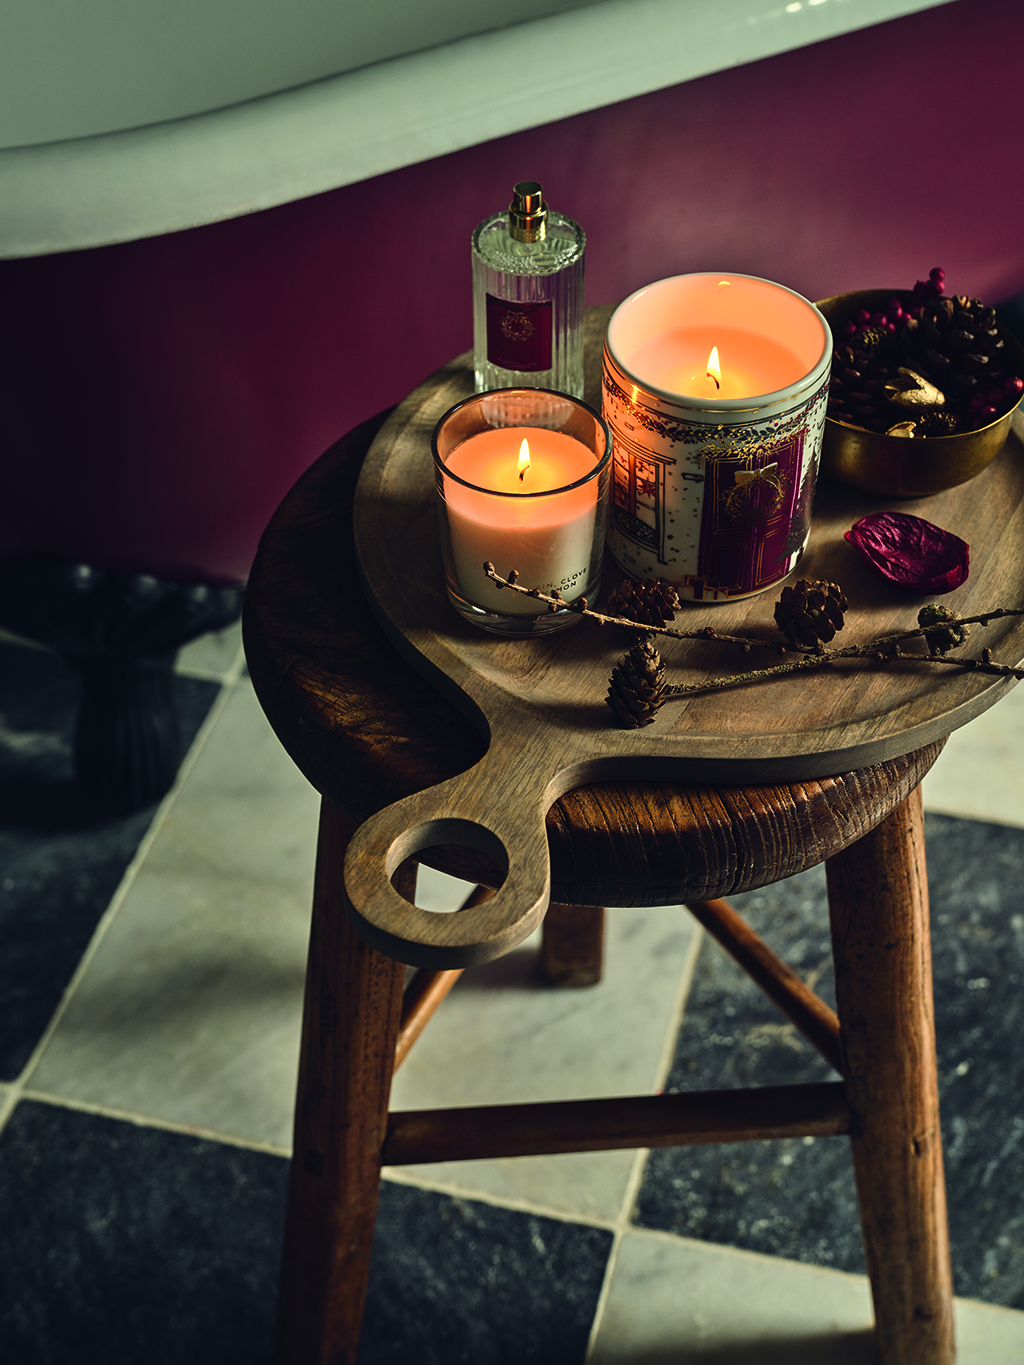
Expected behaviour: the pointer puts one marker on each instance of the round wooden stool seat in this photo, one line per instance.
(366, 730)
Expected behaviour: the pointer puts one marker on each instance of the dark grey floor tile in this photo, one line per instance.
(796, 1198)
(791, 1198)
(61, 857)
(976, 875)
(121, 1244)
(453, 1280)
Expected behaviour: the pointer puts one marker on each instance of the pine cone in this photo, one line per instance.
(810, 613)
(860, 372)
(954, 343)
(636, 689)
(941, 422)
(958, 341)
(948, 633)
(652, 602)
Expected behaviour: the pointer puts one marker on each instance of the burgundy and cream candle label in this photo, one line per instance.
(519, 335)
(721, 511)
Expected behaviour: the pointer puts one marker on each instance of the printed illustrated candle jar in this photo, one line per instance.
(522, 482)
(715, 389)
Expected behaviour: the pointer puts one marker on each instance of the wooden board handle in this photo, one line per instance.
(497, 807)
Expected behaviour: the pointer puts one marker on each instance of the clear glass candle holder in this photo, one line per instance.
(522, 481)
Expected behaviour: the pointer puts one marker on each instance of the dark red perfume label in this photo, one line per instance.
(519, 334)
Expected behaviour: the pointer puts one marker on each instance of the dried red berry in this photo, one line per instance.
(911, 552)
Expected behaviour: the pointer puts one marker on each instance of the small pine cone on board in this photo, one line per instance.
(651, 602)
(810, 613)
(946, 631)
(636, 689)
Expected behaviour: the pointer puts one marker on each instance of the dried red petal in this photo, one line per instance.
(911, 552)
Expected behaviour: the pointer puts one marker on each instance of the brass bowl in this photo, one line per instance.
(895, 465)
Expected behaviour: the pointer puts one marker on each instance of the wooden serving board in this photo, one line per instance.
(542, 700)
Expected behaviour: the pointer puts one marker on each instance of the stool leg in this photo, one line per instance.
(572, 945)
(878, 901)
(349, 1027)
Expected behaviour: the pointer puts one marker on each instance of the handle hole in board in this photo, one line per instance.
(459, 848)
(447, 875)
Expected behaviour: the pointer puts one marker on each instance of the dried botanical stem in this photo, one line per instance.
(753, 675)
(982, 665)
(558, 603)
(882, 641)
(812, 657)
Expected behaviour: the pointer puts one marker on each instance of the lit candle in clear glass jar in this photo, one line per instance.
(521, 496)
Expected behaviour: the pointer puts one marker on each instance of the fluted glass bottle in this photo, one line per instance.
(528, 297)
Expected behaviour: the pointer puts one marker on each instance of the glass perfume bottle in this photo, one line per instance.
(528, 297)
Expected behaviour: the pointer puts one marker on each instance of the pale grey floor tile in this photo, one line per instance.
(979, 774)
(214, 654)
(503, 1035)
(678, 1302)
(436, 891)
(189, 1010)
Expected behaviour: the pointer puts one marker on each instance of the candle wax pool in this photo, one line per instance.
(676, 361)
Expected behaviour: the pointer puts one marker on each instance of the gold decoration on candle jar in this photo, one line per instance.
(742, 502)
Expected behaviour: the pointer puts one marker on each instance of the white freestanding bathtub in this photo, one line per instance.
(122, 119)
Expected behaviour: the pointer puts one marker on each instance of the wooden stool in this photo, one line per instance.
(366, 730)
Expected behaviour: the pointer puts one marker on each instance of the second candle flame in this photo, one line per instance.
(714, 370)
(524, 460)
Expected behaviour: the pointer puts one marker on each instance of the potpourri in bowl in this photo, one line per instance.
(923, 388)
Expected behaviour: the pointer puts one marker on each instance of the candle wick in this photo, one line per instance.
(522, 474)
(715, 378)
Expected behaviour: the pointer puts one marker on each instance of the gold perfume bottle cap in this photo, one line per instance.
(527, 213)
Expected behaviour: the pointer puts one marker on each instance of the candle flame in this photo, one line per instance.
(524, 460)
(714, 370)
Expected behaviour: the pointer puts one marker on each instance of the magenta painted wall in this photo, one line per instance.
(161, 396)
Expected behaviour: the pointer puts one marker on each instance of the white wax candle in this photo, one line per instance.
(548, 539)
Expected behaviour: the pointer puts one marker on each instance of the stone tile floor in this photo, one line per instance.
(150, 988)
